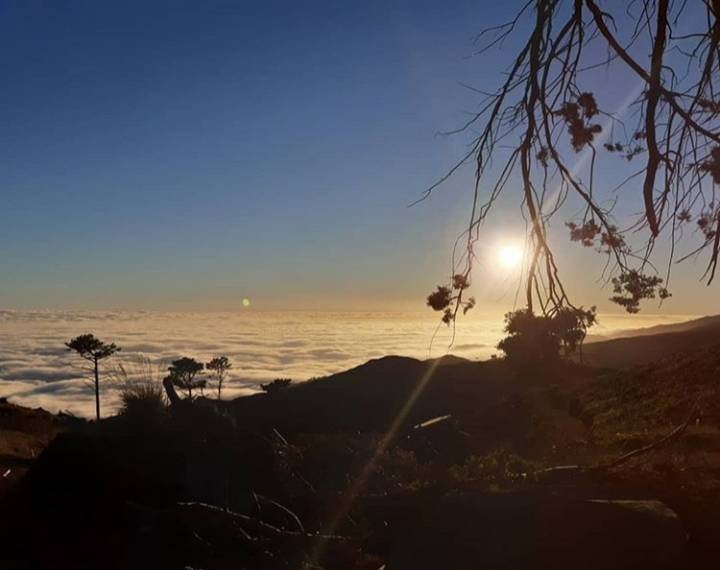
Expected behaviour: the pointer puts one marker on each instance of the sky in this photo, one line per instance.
(190, 155)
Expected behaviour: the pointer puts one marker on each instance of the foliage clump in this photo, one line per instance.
(142, 396)
(449, 298)
(538, 339)
(577, 116)
(218, 368)
(531, 338)
(183, 374)
(590, 234)
(142, 400)
(712, 164)
(632, 287)
(708, 222)
(276, 385)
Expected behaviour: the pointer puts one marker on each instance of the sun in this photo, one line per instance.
(510, 256)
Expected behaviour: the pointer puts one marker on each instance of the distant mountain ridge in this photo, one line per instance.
(710, 320)
(642, 346)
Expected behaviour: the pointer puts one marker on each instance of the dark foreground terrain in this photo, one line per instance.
(397, 463)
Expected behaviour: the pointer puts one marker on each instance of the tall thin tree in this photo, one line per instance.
(93, 350)
(219, 367)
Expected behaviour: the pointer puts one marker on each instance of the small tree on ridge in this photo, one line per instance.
(276, 385)
(183, 373)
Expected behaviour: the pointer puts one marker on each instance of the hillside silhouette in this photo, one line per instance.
(682, 326)
(653, 343)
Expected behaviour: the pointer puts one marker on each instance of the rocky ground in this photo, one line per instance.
(24, 435)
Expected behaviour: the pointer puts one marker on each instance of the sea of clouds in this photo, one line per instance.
(37, 370)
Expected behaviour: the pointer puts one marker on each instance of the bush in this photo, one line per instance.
(537, 339)
(142, 398)
(531, 339)
(276, 385)
(141, 391)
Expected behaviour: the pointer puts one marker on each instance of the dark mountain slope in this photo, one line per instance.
(710, 320)
(646, 401)
(643, 349)
(639, 407)
(370, 397)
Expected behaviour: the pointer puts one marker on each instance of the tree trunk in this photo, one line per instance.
(97, 390)
(170, 390)
(581, 352)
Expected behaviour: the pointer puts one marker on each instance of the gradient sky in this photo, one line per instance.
(185, 155)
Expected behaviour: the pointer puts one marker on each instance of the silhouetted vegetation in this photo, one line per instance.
(538, 339)
(93, 350)
(141, 391)
(449, 299)
(532, 339)
(219, 367)
(276, 385)
(572, 325)
(542, 105)
(632, 287)
(183, 374)
(142, 400)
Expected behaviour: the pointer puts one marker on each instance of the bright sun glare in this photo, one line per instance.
(510, 256)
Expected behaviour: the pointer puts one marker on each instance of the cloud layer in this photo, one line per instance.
(37, 370)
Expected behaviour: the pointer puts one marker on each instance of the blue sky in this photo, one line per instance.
(187, 155)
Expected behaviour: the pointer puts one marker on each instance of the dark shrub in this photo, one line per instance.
(276, 385)
(142, 399)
